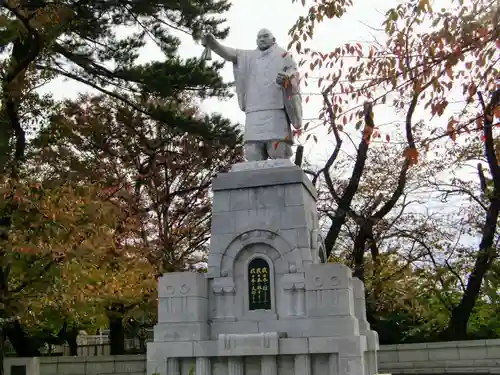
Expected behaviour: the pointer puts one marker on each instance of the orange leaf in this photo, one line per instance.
(479, 123)
(449, 72)
(482, 31)
(451, 129)
(496, 112)
(412, 155)
(472, 89)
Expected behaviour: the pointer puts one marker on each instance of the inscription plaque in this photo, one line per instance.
(17, 370)
(259, 285)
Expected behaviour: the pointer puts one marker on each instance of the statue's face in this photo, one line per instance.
(265, 39)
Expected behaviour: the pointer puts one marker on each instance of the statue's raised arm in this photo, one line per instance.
(227, 53)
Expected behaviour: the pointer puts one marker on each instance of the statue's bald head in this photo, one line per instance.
(265, 39)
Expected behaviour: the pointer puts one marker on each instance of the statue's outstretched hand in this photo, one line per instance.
(281, 79)
(207, 39)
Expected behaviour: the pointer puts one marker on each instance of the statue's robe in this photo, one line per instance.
(270, 109)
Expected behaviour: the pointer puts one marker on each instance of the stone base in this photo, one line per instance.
(267, 305)
(256, 354)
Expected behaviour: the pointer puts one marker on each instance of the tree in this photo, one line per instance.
(160, 176)
(458, 50)
(58, 237)
(485, 196)
(79, 40)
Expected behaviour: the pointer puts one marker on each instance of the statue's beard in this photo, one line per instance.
(264, 48)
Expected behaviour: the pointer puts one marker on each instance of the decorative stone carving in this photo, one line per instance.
(182, 298)
(244, 237)
(294, 294)
(329, 290)
(266, 343)
(224, 291)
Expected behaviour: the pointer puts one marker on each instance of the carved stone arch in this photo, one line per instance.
(251, 237)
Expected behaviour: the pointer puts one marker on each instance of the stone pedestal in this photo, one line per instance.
(267, 305)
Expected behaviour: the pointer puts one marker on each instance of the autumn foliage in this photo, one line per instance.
(427, 53)
(441, 65)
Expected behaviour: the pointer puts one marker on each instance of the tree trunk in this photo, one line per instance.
(2, 349)
(457, 326)
(23, 345)
(116, 313)
(70, 337)
(359, 253)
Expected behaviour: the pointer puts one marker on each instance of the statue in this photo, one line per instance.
(267, 86)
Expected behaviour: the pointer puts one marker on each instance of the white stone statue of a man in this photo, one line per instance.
(267, 86)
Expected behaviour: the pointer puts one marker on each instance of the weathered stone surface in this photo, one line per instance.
(263, 177)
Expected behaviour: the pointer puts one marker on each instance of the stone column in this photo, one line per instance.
(294, 293)
(302, 364)
(173, 367)
(235, 366)
(268, 365)
(351, 366)
(333, 364)
(224, 292)
(203, 366)
(301, 299)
